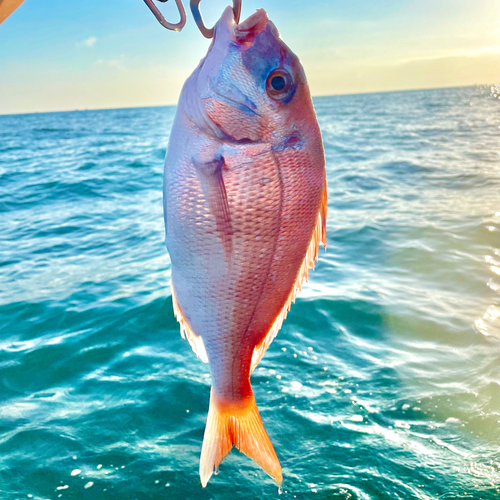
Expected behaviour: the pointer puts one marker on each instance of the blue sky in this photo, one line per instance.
(58, 55)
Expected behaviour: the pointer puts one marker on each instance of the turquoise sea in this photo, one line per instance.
(384, 382)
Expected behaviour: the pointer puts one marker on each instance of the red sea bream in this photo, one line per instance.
(245, 213)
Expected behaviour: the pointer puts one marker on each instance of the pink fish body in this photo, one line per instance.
(245, 212)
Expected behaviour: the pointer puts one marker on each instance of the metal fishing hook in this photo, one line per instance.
(195, 9)
(206, 32)
(162, 20)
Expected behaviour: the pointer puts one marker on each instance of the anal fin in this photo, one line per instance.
(195, 341)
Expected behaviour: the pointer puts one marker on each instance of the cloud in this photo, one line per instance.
(90, 42)
(112, 63)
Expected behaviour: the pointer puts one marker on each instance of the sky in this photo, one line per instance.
(57, 55)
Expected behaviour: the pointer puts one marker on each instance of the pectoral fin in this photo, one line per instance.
(212, 182)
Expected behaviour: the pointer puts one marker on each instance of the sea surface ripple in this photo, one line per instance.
(384, 382)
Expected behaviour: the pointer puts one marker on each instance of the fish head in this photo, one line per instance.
(250, 87)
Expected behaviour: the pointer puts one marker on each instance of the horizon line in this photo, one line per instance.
(314, 96)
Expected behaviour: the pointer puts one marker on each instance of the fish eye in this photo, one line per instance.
(279, 85)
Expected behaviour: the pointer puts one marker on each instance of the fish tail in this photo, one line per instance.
(236, 424)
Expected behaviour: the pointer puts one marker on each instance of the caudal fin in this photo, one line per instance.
(239, 425)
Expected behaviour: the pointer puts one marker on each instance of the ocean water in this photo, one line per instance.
(384, 382)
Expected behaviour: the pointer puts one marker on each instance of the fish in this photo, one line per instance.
(245, 202)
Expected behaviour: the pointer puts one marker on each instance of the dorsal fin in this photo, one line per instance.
(318, 236)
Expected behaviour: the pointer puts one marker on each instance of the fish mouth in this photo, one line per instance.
(243, 33)
(246, 31)
(228, 32)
